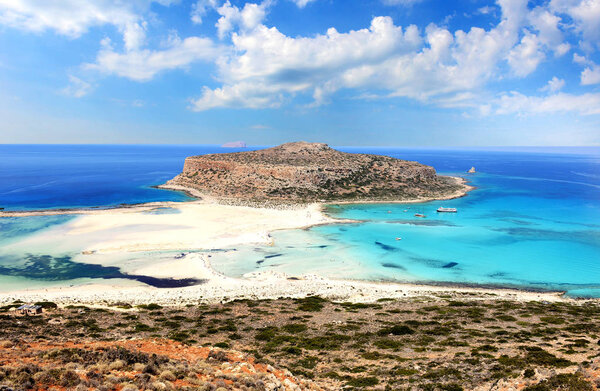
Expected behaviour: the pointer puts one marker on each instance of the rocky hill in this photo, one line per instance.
(458, 342)
(307, 172)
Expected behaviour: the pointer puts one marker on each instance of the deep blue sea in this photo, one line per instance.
(533, 221)
(67, 176)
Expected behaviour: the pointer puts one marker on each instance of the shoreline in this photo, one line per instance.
(457, 194)
(267, 285)
(206, 199)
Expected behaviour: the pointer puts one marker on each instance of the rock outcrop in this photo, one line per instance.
(308, 172)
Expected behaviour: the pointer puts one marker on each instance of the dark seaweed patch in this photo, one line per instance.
(428, 261)
(46, 267)
(393, 266)
(519, 222)
(450, 265)
(498, 275)
(385, 246)
(590, 237)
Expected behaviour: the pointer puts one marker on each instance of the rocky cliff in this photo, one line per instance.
(307, 172)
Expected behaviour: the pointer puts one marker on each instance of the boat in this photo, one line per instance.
(446, 210)
(398, 238)
(419, 215)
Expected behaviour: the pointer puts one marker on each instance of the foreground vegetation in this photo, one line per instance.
(414, 344)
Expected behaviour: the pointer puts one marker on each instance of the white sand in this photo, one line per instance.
(197, 225)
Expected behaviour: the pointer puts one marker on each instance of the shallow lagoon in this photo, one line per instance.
(533, 222)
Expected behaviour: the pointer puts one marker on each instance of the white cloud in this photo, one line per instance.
(262, 67)
(302, 3)
(549, 33)
(581, 60)
(267, 67)
(200, 8)
(516, 103)
(73, 18)
(591, 75)
(525, 57)
(245, 19)
(486, 10)
(144, 64)
(586, 19)
(77, 88)
(555, 84)
(268, 64)
(134, 35)
(248, 95)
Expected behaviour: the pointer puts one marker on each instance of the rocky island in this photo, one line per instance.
(302, 172)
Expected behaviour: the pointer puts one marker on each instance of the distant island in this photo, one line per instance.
(302, 172)
(234, 144)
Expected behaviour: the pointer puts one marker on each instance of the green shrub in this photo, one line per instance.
(564, 381)
(294, 328)
(537, 355)
(311, 304)
(47, 305)
(266, 334)
(363, 381)
(150, 307)
(387, 343)
(141, 327)
(179, 336)
(309, 362)
(328, 341)
(396, 330)
(293, 350)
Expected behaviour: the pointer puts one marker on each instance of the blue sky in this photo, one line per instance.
(345, 72)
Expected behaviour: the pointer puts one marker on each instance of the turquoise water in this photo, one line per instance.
(537, 228)
(533, 222)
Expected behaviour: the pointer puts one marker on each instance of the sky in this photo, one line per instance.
(345, 72)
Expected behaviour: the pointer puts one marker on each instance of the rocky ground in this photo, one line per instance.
(308, 172)
(443, 343)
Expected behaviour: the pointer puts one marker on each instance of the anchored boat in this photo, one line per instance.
(446, 210)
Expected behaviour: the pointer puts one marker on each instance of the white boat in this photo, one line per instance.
(447, 210)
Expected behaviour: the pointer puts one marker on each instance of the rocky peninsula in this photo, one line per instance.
(302, 172)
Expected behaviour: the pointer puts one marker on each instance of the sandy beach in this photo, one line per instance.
(260, 285)
(195, 225)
